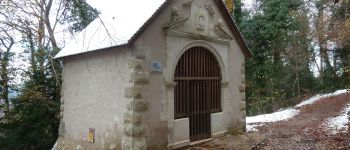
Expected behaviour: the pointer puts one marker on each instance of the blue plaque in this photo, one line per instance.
(156, 66)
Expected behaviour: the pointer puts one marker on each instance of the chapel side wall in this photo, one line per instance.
(236, 73)
(93, 96)
(151, 46)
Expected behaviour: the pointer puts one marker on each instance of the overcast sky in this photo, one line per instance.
(137, 12)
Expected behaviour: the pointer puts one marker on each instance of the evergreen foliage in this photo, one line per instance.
(281, 38)
(33, 122)
(79, 14)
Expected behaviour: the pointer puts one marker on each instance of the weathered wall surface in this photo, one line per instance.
(152, 46)
(166, 42)
(236, 90)
(93, 97)
(95, 83)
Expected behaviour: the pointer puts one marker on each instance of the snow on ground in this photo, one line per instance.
(274, 117)
(252, 127)
(319, 97)
(54, 147)
(339, 122)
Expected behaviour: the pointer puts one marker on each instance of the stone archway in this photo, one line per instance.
(197, 93)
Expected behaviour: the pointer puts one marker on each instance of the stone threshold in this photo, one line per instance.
(189, 143)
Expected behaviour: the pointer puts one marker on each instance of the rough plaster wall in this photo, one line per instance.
(152, 45)
(236, 60)
(106, 74)
(94, 98)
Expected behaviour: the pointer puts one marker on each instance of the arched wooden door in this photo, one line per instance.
(198, 90)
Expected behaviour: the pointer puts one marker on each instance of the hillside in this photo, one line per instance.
(317, 123)
(320, 122)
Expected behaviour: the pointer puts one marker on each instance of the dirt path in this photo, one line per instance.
(305, 131)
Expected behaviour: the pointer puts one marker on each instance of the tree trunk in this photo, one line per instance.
(32, 53)
(5, 81)
(4, 75)
(48, 25)
(41, 40)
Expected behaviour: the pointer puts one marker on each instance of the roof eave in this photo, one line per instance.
(126, 45)
(234, 29)
(149, 22)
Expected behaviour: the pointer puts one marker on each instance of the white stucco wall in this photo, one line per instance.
(167, 46)
(94, 83)
(94, 97)
(230, 58)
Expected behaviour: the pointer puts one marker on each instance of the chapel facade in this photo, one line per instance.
(178, 80)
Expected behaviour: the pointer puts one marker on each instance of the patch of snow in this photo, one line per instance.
(54, 147)
(119, 20)
(335, 124)
(339, 123)
(252, 127)
(257, 121)
(274, 117)
(319, 97)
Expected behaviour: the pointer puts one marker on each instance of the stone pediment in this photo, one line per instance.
(198, 19)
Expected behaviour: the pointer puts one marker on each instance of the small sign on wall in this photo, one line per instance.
(91, 135)
(156, 66)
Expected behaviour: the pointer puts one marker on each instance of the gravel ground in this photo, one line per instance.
(305, 131)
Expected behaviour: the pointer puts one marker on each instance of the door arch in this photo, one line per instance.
(198, 90)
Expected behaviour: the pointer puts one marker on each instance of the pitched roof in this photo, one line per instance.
(125, 26)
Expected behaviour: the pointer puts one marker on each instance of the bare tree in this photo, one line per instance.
(36, 20)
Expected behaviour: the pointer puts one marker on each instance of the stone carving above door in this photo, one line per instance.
(201, 22)
(199, 19)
